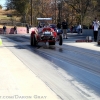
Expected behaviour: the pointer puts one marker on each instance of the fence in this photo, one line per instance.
(12, 23)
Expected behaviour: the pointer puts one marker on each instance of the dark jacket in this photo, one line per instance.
(4, 28)
(27, 26)
(15, 28)
(59, 25)
(64, 25)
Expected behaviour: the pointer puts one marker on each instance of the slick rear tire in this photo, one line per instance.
(60, 40)
(33, 41)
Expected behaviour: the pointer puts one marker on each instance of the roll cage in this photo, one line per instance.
(43, 22)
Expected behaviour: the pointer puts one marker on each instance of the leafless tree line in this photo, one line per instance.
(74, 11)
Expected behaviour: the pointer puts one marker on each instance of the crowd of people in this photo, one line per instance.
(4, 29)
(78, 29)
(64, 27)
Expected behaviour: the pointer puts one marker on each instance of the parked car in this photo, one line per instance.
(68, 30)
(75, 30)
(53, 26)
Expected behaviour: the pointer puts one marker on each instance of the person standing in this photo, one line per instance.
(79, 28)
(27, 27)
(4, 29)
(72, 28)
(64, 27)
(96, 25)
(58, 25)
(59, 30)
(15, 29)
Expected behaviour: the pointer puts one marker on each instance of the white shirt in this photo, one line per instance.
(79, 26)
(96, 25)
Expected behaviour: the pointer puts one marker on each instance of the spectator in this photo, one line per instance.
(72, 27)
(40, 25)
(27, 26)
(4, 29)
(59, 25)
(15, 29)
(79, 28)
(96, 25)
(30, 26)
(64, 27)
(59, 30)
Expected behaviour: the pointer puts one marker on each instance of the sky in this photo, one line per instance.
(2, 2)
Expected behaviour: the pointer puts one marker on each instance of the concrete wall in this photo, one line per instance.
(23, 30)
(87, 32)
(20, 30)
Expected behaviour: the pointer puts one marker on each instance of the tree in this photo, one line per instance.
(0, 6)
(21, 6)
(73, 10)
(80, 7)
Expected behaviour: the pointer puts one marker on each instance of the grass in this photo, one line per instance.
(2, 17)
(4, 13)
(5, 19)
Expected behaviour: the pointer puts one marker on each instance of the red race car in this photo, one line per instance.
(45, 33)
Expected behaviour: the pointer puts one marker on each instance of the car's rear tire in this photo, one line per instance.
(33, 41)
(60, 39)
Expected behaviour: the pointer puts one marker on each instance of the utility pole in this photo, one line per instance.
(31, 12)
(59, 8)
(55, 11)
(42, 8)
(81, 12)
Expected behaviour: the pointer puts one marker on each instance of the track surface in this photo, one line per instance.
(72, 73)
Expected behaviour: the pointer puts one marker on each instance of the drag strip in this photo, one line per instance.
(68, 71)
(87, 59)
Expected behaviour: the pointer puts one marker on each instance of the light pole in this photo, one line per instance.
(59, 10)
(31, 12)
(55, 11)
(81, 12)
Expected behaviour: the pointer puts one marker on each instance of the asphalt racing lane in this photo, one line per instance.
(68, 80)
(75, 68)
